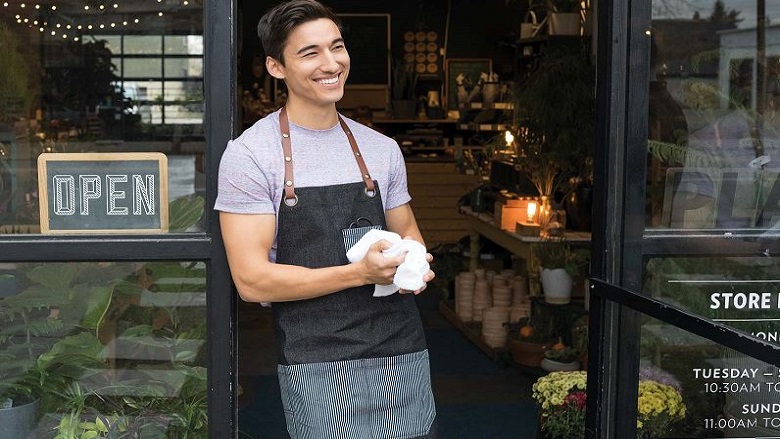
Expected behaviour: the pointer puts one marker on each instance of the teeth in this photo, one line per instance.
(329, 81)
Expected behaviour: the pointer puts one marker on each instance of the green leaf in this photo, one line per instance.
(185, 212)
(98, 299)
(55, 276)
(80, 349)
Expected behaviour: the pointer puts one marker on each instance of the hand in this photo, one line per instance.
(427, 278)
(376, 267)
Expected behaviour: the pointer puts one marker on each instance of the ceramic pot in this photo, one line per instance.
(18, 421)
(553, 366)
(556, 284)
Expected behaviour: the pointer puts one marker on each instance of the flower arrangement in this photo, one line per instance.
(561, 397)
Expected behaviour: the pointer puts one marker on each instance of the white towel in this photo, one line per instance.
(409, 275)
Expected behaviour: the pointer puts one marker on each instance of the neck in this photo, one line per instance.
(311, 116)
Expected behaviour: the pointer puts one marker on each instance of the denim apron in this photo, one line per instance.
(351, 365)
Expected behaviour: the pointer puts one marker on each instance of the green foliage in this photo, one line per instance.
(566, 354)
(559, 254)
(185, 212)
(16, 89)
(555, 118)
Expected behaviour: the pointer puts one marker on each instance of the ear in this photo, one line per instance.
(275, 67)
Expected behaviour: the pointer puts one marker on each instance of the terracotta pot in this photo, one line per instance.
(527, 353)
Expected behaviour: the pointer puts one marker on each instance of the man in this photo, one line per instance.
(291, 189)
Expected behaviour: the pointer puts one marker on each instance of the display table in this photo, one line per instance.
(483, 224)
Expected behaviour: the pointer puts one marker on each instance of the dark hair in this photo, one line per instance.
(275, 26)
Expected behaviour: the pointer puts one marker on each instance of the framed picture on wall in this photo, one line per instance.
(462, 75)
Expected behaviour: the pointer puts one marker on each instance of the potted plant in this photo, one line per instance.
(564, 17)
(529, 338)
(403, 90)
(558, 264)
(561, 398)
(560, 357)
(33, 323)
(554, 118)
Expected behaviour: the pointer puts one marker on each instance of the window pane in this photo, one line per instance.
(713, 126)
(183, 67)
(143, 45)
(143, 68)
(725, 393)
(113, 42)
(122, 342)
(97, 92)
(184, 44)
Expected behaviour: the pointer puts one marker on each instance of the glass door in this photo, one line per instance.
(115, 302)
(686, 305)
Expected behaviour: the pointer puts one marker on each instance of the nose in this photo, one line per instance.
(330, 61)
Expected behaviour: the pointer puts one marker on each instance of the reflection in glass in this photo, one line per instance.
(122, 343)
(124, 78)
(724, 393)
(714, 129)
(724, 390)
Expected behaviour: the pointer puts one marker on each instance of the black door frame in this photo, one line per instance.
(620, 245)
(219, 123)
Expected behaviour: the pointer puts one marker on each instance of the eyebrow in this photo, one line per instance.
(314, 46)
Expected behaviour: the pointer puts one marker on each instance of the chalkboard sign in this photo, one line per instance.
(367, 38)
(103, 192)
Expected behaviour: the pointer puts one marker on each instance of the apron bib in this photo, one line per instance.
(351, 365)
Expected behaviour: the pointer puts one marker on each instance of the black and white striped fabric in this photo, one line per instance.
(388, 397)
(353, 234)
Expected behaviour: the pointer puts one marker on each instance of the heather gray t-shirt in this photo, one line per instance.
(251, 173)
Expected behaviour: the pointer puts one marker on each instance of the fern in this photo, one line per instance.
(675, 154)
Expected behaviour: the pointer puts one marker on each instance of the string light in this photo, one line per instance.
(87, 19)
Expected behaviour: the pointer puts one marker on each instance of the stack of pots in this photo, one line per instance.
(464, 296)
(494, 326)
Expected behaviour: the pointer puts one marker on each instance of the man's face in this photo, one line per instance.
(316, 63)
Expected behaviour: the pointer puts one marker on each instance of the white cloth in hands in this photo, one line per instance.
(409, 275)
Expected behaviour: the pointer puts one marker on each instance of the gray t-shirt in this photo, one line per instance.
(251, 173)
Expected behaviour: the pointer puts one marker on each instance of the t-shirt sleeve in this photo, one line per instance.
(243, 186)
(398, 192)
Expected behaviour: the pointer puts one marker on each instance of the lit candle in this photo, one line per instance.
(531, 211)
(509, 138)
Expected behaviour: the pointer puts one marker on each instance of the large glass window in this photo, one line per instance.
(103, 349)
(713, 173)
(89, 77)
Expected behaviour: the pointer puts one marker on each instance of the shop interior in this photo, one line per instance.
(458, 85)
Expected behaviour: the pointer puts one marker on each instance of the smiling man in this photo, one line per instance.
(292, 189)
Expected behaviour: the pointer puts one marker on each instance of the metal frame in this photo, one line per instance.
(220, 122)
(620, 244)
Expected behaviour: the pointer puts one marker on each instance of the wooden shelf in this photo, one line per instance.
(471, 330)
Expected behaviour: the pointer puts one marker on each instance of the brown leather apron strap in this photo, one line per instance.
(370, 189)
(289, 183)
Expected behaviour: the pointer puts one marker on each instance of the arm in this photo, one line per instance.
(248, 240)
(401, 220)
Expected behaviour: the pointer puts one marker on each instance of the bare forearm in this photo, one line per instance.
(281, 283)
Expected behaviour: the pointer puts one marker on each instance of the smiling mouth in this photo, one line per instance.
(328, 81)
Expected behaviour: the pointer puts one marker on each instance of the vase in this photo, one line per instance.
(556, 285)
(554, 366)
(544, 213)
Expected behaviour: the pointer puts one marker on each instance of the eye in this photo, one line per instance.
(338, 47)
